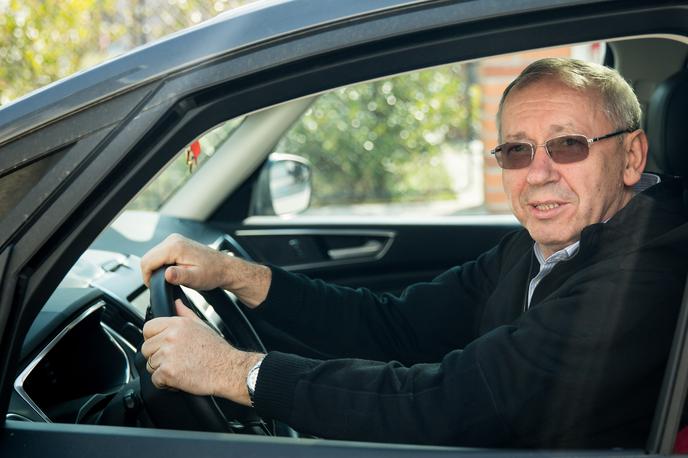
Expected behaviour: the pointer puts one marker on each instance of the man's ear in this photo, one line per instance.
(635, 148)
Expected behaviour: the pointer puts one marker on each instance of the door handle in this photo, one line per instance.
(368, 249)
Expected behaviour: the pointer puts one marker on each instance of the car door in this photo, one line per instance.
(89, 162)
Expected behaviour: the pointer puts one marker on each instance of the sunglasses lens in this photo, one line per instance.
(514, 155)
(568, 149)
(562, 150)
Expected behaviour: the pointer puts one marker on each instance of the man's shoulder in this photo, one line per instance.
(655, 211)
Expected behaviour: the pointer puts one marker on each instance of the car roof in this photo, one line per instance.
(229, 32)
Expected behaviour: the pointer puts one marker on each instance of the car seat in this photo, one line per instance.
(667, 120)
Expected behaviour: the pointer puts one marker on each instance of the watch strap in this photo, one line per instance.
(252, 379)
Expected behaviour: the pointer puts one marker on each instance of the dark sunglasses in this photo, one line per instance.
(562, 150)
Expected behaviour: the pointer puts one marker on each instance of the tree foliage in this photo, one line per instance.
(41, 41)
(382, 141)
(44, 40)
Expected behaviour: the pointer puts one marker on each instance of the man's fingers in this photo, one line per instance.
(166, 252)
(153, 260)
(190, 263)
(149, 366)
(148, 348)
(157, 379)
(183, 310)
(177, 275)
(188, 275)
(154, 327)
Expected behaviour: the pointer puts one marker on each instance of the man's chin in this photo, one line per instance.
(552, 240)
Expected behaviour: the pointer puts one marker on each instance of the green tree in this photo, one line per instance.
(41, 41)
(44, 40)
(381, 141)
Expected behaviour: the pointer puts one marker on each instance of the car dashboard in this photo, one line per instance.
(81, 349)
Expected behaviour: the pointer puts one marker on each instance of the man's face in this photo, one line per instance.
(554, 202)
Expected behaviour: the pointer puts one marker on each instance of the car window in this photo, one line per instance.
(190, 159)
(416, 144)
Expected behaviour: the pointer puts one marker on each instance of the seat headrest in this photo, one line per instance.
(667, 126)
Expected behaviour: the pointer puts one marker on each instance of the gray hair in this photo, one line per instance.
(618, 99)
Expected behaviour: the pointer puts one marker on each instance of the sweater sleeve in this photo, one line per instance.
(565, 374)
(315, 318)
(374, 401)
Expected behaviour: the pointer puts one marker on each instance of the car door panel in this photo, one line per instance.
(382, 257)
(30, 440)
(312, 248)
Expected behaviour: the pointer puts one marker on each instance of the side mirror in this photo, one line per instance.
(283, 186)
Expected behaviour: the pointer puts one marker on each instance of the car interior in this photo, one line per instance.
(80, 362)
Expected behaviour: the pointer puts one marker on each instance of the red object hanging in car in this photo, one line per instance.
(196, 149)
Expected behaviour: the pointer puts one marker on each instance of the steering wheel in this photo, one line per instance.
(179, 410)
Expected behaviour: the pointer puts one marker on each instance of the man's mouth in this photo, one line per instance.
(547, 209)
(546, 206)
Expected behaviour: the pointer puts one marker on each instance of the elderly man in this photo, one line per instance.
(557, 337)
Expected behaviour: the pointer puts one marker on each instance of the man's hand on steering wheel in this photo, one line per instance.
(201, 268)
(182, 352)
(186, 354)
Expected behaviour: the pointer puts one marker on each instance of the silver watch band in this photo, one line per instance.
(252, 379)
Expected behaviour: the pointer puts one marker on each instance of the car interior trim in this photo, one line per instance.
(108, 292)
(19, 381)
(671, 401)
(16, 417)
(109, 332)
(276, 232)
(227, 243)
(120, 340)
(337, 258)
(457, 220)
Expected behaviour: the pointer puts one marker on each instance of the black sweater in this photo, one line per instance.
(457, 361)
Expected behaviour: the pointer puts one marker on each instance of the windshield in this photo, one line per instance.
(191, 158)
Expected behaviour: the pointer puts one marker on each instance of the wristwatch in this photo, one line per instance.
(252, 378)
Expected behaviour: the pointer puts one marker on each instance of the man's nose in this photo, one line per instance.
(542, 169)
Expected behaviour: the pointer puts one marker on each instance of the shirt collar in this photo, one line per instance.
(646, 180)
(562, 255)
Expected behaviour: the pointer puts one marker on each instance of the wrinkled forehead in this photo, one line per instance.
(572, 106)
